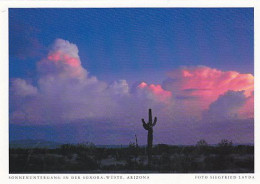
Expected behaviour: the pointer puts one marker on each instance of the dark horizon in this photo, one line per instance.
(117, 145)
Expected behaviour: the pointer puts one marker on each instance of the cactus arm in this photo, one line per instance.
(155, 120)
(143, 121)
(146, 127)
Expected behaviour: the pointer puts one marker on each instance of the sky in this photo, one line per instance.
(90, 75)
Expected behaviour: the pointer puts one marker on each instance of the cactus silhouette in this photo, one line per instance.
(149, 127)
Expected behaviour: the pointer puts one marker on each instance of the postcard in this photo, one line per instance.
(111, 93)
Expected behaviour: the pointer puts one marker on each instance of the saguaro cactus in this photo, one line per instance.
(149, 127)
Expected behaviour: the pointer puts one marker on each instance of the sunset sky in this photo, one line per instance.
(79, 75)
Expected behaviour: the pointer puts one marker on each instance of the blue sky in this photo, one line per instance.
(130, 43)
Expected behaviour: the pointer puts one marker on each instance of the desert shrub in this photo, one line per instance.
(131, 149)
(243, 149)
(88, 147)
(166, 158)
(161, 148)
(201, 143)
(225, 147)
(202, 147)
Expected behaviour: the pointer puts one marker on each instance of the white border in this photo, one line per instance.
(154, 178)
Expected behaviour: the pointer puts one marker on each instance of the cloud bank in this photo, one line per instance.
(67, 93)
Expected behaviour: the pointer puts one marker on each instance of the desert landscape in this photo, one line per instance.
(88, 158)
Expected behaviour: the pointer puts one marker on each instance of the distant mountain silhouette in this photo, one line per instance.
(28, 143)
(39, 143)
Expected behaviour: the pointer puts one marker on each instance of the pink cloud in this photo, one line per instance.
(59, 56)
(63, 59)
(67, 93)
(157, 91)
(206, 83)
(247, 110)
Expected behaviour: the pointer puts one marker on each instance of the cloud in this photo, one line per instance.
(21, 88)
(65, 92)
(247, 110)
(226, 106)
(62, 88)
(200, 86)
(62, 61)
(155, 92)
(207, 82)
(119, 87)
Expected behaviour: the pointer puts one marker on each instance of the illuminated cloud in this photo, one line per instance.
(65, 92)
(63, 60)
(206, 84)
(247, 110)
(156, 92)
(190, 97)
(187, 93)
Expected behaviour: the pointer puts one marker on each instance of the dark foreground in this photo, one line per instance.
(132, 159)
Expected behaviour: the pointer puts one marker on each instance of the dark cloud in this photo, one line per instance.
(226, 106)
